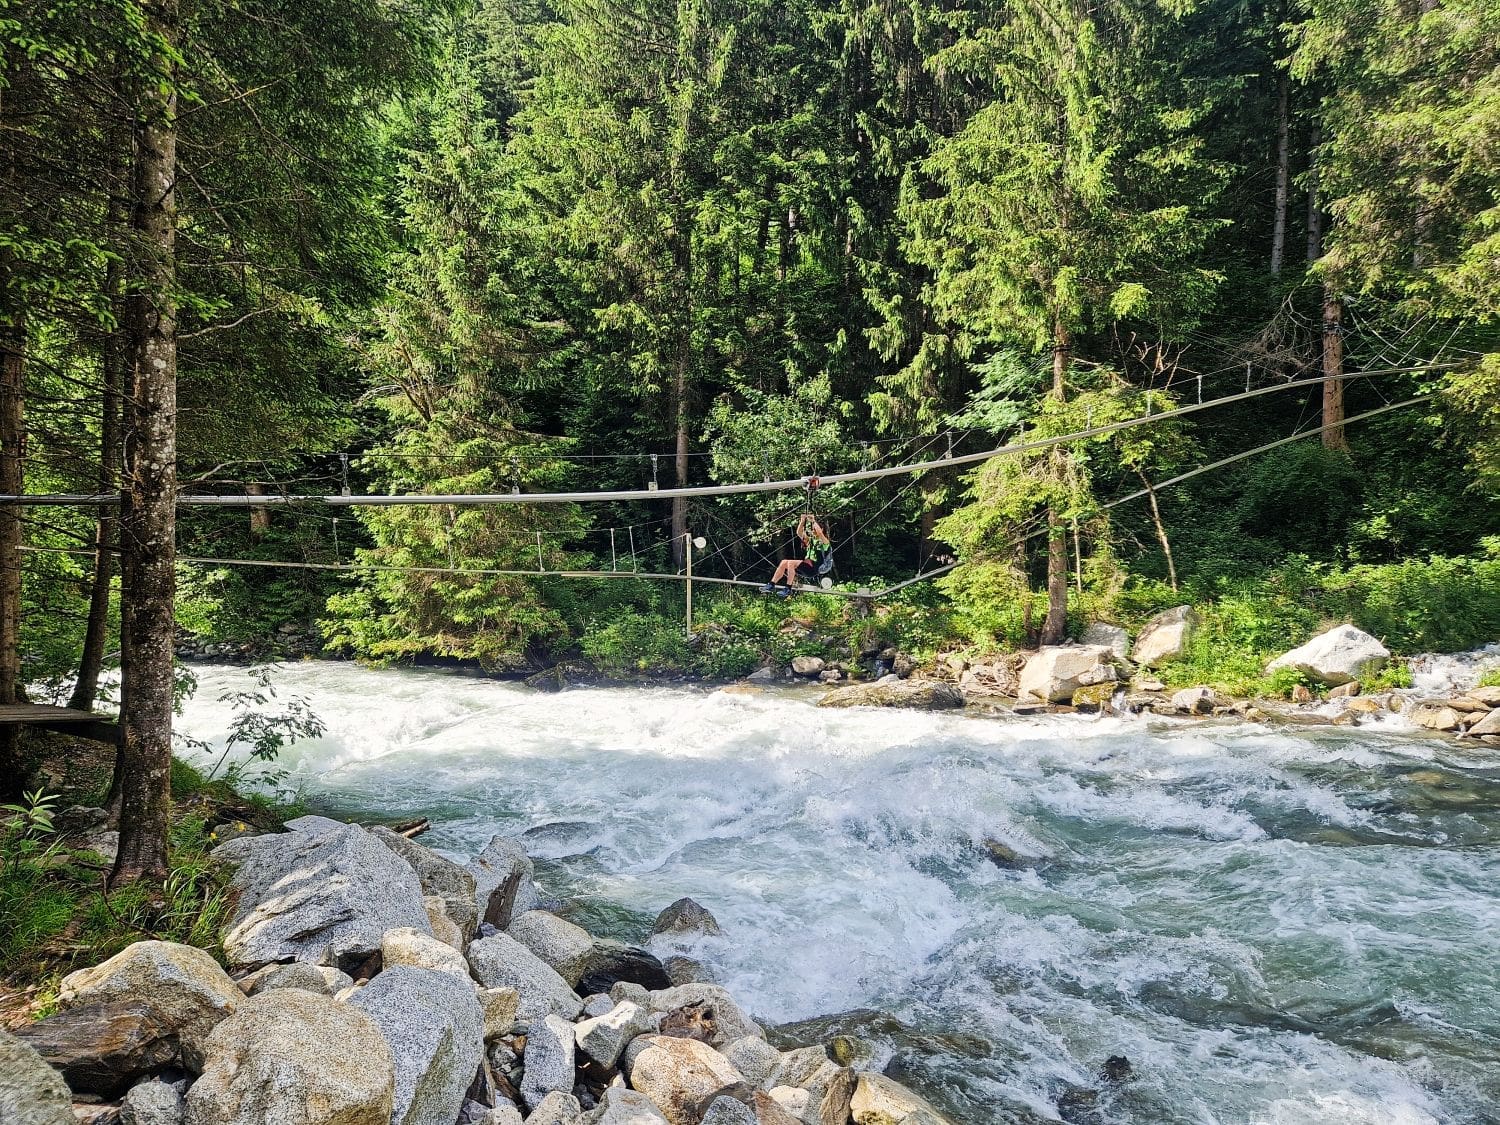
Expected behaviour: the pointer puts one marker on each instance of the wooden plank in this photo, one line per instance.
(80, 724)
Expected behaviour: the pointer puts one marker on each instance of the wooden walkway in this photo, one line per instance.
(84, 724)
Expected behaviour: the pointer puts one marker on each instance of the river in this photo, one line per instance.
(1274, 927)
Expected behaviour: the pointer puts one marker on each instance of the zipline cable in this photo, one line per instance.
(416, 499)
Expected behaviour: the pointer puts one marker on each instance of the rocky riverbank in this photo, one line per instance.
(369, 980)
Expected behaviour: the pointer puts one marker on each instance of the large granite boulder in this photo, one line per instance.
(1338, 656)
(291, 1057)
(685, 916)
(103, 1047)
(31, 1092)
(1056, 672)
(879, 1100)
(153, 1102)
(620, 1106)
(602, 1038)
(921, 695)
(1165, 637)
(322, 979)
(449, 881)
(323, 892)
(185, 986)
(548, 1060)
(828, 1086)
(503, 875)
(680, 1076)
(406, 946)
(707, 1006)
(435, 1029)
(610, 962)
(503, 962)
(555, 940)
(1101, 634)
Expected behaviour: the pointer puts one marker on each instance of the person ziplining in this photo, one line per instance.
(816, 552)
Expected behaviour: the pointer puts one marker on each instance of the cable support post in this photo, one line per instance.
(654, 485)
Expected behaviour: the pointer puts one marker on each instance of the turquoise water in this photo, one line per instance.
(1273, 927)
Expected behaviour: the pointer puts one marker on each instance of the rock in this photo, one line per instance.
(1489, 725)
(624, 990)
(503, 962)
(602, 1038)
(725, 1110)
(1364, 705)
(406, 946)
(1055, 673)
(1435, 716)
(1489, 696)
(716, 1007)
(96, 1113)
(447, 880)
(1147, 684)
(754, 1058)
(152, 1103)
(1004, 856)
(188, 990)
(762, 676)
(232, 830)
(879, 1100)
(502, 878)
(291, 1057)
(499, 1007)
(1095, 697)
(556, 941)
(31, 1092)
(502, 1115)
(685, 917)
(103, 1047)
(830, 676)
(1338, 656)
(828, 1085)
(548, 1060)
(1465, 703)
(610, 962)
(1196, 700)
(1165, 637)
(1101, 634)
(768, 1112)
(686, 970)
(597, 1005)
(432, 1021)
(318, 893)
(322, 979)
(557, 1109)
(923, 695)
(796, 1103)
(1345, 691)
(105, 844)
(903, 665)
(807, 665)
(680, 1076)
(627, 1107)
(1301, 693)
(444, 928)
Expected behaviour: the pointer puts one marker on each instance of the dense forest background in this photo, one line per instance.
(486, 246)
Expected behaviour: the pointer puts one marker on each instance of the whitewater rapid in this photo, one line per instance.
(1288, 928)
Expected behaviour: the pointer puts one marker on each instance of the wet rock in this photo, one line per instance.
(1338, 656)
(628, 1107)
(680, 1076)
(292, 1056)
(1078, 1105)
(103, 1047)
(1488, 725)
(1364, 705)
(922, 695)
(152, 1103)
(1196, 700)
(685, 917)
(807, 665)
(903, 665)
(186, 988)
(1054, 673)
(1466, 704)
(1117, 1068)
(879, 1100)
(1105, 635)
(762, 676)
(1165, 637)
(503, 875)
(830, 676)
(31, 1092)
(432, 1021)
(1435, 716)
(499, 1007)
(602, 1038)
(686, 970)
(322, 979)
(1301, 694)
(503, 962)
(1095, 697)
(548, 1060)
(710, 1004)
(324, 892)
(557, 1109)
(409, 947)
(1489, 696)
(1345, 691)
(610, 962)
(449, 881)
(556, 941)
(1004, 856)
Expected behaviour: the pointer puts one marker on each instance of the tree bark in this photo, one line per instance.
(260, 518)
(13, 770)
(1161, 529)
(1283, 174)
(148, 532)
(1055, 627)
(679, 404)
(1314, 213)
(1333, 370)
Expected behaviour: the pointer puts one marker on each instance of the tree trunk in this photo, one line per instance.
(1161, 529)
(13, 771)
(149, 531)
(1283, 172)
(1055, 627)
(1333, 370)
(260, 518)
(1314, 213)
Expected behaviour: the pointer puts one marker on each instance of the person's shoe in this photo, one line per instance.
(768, 588)
(784, 592)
